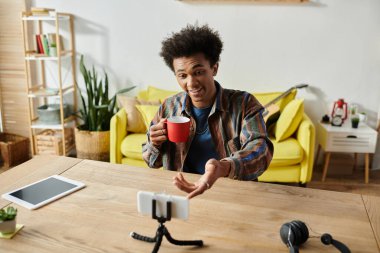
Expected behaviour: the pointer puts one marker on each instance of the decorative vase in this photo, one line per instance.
(93, 145)
(8, 226)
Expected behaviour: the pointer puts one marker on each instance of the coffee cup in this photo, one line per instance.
(178, 128)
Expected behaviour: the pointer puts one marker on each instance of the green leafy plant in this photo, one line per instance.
(355, 119)
(99, 109)
(8, 214)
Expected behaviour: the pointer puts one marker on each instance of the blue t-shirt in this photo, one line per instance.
(202, 147)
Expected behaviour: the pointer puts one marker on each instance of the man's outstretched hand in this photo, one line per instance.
(214, 169)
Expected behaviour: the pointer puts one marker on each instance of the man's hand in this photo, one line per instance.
(214, 169)
(158, 133)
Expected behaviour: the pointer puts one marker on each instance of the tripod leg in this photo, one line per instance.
(143, 238)
(158, 241)
(181, 242)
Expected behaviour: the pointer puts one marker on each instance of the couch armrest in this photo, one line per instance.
(306, 138)
(118, 131)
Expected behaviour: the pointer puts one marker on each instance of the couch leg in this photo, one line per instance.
(304, 185)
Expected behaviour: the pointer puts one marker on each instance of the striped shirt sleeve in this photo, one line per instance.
(256, 150)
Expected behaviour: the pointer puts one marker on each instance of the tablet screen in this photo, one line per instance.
(43, 190)
(40, 193)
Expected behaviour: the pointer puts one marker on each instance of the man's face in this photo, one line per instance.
(196, 77)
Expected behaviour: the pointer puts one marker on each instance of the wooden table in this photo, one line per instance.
(233, 216)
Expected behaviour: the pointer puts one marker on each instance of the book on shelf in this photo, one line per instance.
(45, 41)
(40, 48)
(42, 11)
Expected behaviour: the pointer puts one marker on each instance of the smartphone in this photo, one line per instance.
(179, 204)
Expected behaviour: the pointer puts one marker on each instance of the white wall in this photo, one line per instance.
(334, 45)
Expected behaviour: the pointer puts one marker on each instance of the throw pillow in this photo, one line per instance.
(135, 122)
(285, 100)
(147, 112)
(289, 120)
(160, 94)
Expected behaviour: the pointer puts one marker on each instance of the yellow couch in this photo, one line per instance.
(293, 157)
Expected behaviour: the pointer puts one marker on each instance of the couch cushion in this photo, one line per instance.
(131, 146)
(147, 112)
(289, 120)
(287, 152)
(135, 122)
(286, 174)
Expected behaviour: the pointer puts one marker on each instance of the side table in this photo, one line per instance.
(346, 139)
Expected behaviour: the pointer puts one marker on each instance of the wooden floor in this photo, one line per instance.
(2, 169)
(353, 183)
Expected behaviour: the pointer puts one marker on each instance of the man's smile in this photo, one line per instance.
(196, 92)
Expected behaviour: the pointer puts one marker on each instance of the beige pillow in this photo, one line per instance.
(135, 121)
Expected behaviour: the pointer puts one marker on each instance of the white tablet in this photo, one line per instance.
(40, 193)
(180, 205)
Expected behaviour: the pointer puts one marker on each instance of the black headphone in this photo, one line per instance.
(295, 233)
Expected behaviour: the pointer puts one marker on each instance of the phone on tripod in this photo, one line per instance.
(179, 204)
(162, 207)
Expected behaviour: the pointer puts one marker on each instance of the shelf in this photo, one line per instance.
(42, 57)
(39, 82)
(49, 92)
(45, 18)
(36, 124)
(42, 125)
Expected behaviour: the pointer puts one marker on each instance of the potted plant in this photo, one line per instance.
(53, 50)
(355, 122)
(362, 117)
(8, 220)
(93, 136)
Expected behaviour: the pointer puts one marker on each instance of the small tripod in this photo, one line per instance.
(163, 231)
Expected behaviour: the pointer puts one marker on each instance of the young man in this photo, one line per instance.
(227, 137)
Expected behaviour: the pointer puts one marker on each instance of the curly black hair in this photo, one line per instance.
(192, 40)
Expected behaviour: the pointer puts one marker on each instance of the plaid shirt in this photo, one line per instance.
(237, 129)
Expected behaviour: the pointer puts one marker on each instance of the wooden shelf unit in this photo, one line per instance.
(40, 93)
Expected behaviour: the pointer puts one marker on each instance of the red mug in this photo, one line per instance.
(178, 128)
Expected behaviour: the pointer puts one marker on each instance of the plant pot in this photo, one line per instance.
(8, 226)
(355, 123)
(93, 145)
(53, 51)
(362, 117)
